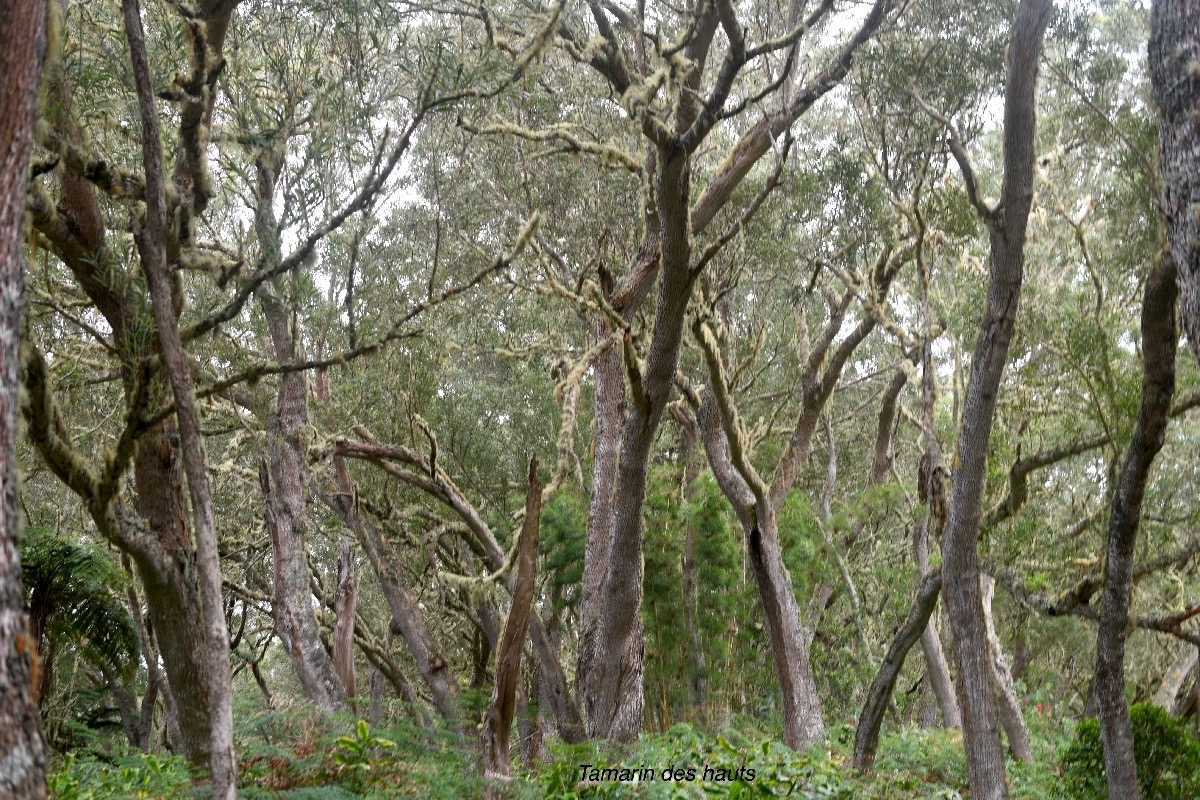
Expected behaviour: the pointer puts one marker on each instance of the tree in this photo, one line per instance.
(1175, 78)
(1159, 339)
(22, 51)
(1007, 224)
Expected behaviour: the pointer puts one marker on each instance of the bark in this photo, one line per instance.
(407, 619)
(611, 657)
(497, 723)
(866, 738)
(756, 503)
(22, 52)
(159, 542)
(931, 492)
(377, 688)
(1011, 717)
(1159, 338)
(615, 699)
(610, 415)
(960, 557)
(1176, 674)
(439, 485)
(22, 746)
(1175, 80)
(345, 610)
(282, 478)
(151, 244)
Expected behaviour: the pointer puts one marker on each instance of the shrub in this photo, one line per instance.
(1166, 752)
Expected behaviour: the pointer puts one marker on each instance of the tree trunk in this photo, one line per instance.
(610, 415)
(866, 738)
(1175, 79)
(282, 476)
(1011, 717)
(602, 521)
(151, 245)
(22, 50)
(1176, 674)
(960, 557)
(497, 723)
(345, 611)
(932, 492)
(1159, 339)
(407, 619)
(802, 719)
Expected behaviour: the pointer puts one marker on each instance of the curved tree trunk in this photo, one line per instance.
(1158, 386)
(407, 619)
(1185, 661)
(22, 50)
(151, 245)
(1011, 717)
(960, 557)
(866, 737)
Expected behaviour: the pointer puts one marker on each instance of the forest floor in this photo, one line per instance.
(294, 755)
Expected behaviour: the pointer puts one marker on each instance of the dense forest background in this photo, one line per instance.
(432, 397)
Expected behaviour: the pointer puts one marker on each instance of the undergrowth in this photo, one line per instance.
(295, 754)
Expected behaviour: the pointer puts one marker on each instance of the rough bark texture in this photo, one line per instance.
(407, 619)
(614, 689)
(157, 538)
(22, 49)
(497, 723)
(151, 243)
(960, 557)
(345, 608)
(866, 738)
(1185, 661)
(282, 479)
(932, 492)
(1006, 696)
(610, 415)
(1159, 338)
(1175, 79)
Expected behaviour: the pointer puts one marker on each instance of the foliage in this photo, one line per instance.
(1166, 750)
(74, 587)
(143, 775)
(293, 753)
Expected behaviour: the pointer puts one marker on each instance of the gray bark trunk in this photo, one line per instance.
(22, 746)
(960, 557)
(1011, 717)
(610, 414)
(1174, 54)
(407, 619)
(1175, 676)
(1159, 339)
(151, 244)
(282, 479)
(866, 738)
